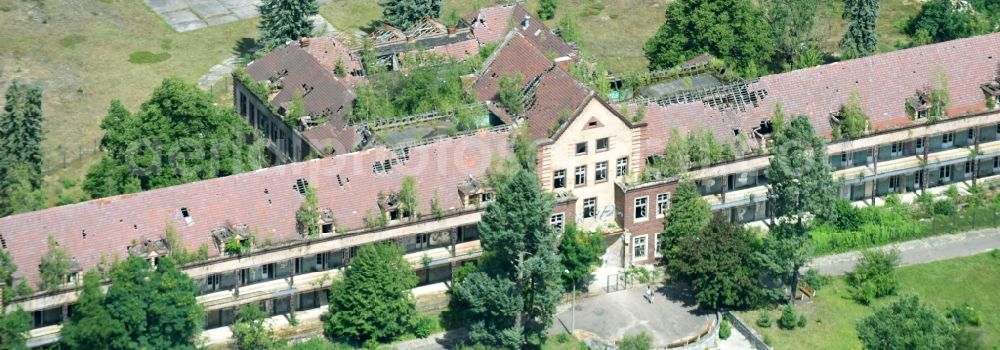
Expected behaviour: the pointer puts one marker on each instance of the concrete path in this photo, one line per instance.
(672, 315)
(736, 341)
(188, 15)
(919, 251)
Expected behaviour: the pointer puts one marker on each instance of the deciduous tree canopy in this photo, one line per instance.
(907, 323)
(179, 135)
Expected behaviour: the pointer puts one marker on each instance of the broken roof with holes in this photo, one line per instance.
(492, 24)
(294, 70)
(884, 83)
(328, 50)
(265, 201)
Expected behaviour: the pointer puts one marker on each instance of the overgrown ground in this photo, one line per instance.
(832, 314)
(830, 24)
(612, 31)
(79, 51)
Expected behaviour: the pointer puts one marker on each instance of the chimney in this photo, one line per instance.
(304, 42)
(526, 23)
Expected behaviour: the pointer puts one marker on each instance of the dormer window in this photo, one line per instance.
(392, 206)
(919, 105)
(235, 239)
(149, 250)
(475, 192)
(992, 90)
(327, 222)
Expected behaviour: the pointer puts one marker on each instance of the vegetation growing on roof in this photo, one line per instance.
(427, 83)
(511, 94)
(178, 251)
(307, 217)
(296, 109)
(696, 149)
(55, 267)
(593, 74)
(408, 198)
(853, 122)
(375, 219)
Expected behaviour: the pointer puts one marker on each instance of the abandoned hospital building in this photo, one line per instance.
(592, 155)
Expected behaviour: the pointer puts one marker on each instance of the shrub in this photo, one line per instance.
(764, 321)
(945, 207)
(789, 319)
(641, 341)
(965, 315)
(725, 330)
(814, 279)
(563, 338)
(874, 275)
(423, 327)
(146, 57)
(802, 321)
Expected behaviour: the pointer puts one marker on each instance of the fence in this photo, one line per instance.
(755, 340)
(619, 281)
(66, 155)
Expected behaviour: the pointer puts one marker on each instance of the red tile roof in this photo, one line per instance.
(884, 82)
(337, 140)
(459, 51)
(491, 24)
(558, 99)
(323, 92)
(264, 200)
(327, 50)
(515, 57)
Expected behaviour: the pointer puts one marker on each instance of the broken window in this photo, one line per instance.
(581, 175)
(622, 165)
(581, 148)
(601, 172)
(558, 221)
(602, 144)
(662, 204)
(301, 185)
(641, 207)
(919, 104)
(559, 179)
(187, 217)
(589, 208)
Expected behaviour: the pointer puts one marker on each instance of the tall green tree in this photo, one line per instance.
(514, 298)
(907, 323)
(799, 177)
(11, 287)
(284, 20)
(689, 214)
(307, 217)
(20, 143)
(580, 251)
(55, 266)
(791, 23)
(784, 251)
(735, 31)
(90, 326)
(14, 327)
(861, 38)
(403, 14)
(373, 301)
(178, 136)
(157, 307)
(719, 263)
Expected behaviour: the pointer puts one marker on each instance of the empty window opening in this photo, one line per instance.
(3, 242)
(84, 233)
(602, 144)
(301, 185)
(581, 148)
(327, 228)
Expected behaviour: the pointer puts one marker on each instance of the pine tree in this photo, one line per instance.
(547, 9)
(514, 297)
(799, 176)
(19, 195)
(861, 38)
(403, 14)
(20, 141)
(792, 23)
(284, 20)
(373, 301)
(689, 214)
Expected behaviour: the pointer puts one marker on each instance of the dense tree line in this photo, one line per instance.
(177, 136)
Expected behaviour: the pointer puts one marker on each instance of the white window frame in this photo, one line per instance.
(893, 183)
(601, 172)
(918, 178)
(577, 179)
(947, 140)
(640, 205)
(844, 160)
(621, 166)
(662, 205)
(944, 173)
(918, 145)
(968, 169)
(592, 203)
(896, 149)
(557, 175)
(558, 222)
(637, 243)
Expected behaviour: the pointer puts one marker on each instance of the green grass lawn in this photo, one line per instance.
(832, 314)
(79, 51)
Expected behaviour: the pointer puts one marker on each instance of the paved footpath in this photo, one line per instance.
(919, 251)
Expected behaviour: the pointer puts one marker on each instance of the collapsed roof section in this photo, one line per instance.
(263, 203)
(885, 84)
